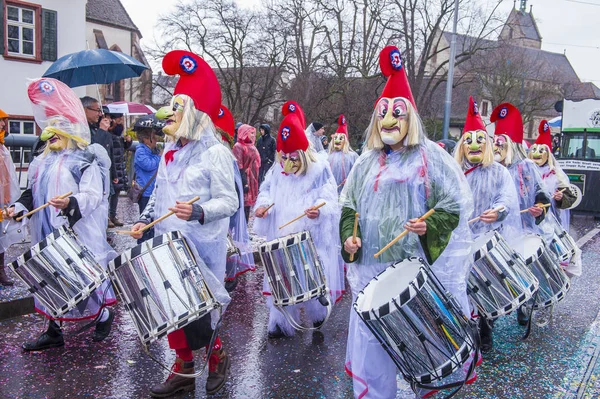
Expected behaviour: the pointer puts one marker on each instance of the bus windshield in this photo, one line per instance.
(581, 146)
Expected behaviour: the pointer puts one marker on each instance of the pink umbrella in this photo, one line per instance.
(127, 108)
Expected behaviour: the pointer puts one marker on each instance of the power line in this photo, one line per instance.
(583, 2)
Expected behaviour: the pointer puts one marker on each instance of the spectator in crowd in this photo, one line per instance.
(266, 148)
(120, 145)
(146, 161)
(589, 152)
(314, 132)
(248, 160)
(325, 142)
(99, 123)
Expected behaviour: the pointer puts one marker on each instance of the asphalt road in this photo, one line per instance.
(551, 364)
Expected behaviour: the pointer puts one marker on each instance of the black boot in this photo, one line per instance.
(485, 333)
(522, 317)
(52, 338)
(174, 382)
(4, 280)
(218, 366)
(277, 333)
(103, 328)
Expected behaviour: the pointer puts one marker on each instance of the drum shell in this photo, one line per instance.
(293, 269)
(420, 327)
(499, 281)
(60, 272)
(162, 286)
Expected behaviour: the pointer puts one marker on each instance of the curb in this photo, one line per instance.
(17, 307)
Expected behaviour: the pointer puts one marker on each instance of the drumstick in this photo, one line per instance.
(269, 207)
(561, 191)
(354, 234)
(498, 209)
(160, 219)
(405, 232)
(39, 208)
(314, 208)
(538, 205)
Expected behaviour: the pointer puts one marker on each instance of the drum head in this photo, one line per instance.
(388, 284)
(481, 243)
(577, 191)
(529, 247)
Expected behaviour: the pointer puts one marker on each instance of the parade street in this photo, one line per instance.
(556, 361)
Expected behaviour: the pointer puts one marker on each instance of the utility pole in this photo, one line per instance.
(450, 80)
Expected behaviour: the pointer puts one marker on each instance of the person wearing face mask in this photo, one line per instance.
(195, 162)
(248, 160)
(9, 192)
(341, 155)
(399, 176)
(120, 145)
(492, 188)
(531, 191)
(297, 182)
(69, 163)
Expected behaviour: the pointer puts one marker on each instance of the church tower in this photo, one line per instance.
(520, 28)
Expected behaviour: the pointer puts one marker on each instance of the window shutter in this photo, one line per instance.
(49, 35)
(3, 27)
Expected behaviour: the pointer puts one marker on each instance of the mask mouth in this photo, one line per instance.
(475, 152)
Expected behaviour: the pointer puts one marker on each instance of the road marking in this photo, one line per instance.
(583, 240)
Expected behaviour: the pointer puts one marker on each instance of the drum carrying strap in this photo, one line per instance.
(528, 331)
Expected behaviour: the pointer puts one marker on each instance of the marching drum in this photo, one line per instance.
(553, 282)
(499, 281)
(59, 271)
(293, 269)
(563, 245)
(161, 285)
(421, 328)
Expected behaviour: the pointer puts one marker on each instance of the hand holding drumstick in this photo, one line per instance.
(183, 210)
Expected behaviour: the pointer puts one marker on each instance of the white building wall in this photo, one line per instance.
(15, 74)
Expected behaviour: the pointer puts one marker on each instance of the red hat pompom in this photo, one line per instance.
(197, 80)
(392, 66)
(293, 107)
(508, 121)
(473, 121)
(291, 136)
(57, 99)
(545, 136)
(224, 121)
(342, 125)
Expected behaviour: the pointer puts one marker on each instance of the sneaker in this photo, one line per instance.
(175, 383)
(522, 318)
(218, 366)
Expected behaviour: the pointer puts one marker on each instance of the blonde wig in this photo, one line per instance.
(345, 147)
(194, 123)
(551, 160)
(488, 154)
(414, 136)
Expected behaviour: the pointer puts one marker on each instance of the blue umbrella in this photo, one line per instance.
(96, 66)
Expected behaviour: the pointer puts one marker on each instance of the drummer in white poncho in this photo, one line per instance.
(296, 183)
(494, 195)
(341, 155)
(194, 163)
(68, 164)
(399, 177)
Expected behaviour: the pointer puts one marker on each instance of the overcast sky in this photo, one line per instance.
(565, 25)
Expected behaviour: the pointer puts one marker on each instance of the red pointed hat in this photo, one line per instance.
(545, 136)
(342, 125)
(225, 122)
(473, 121)
(55, 99)
(197, 80)
(390, 62)
(293, 107)
(291, 136)
(508, 121)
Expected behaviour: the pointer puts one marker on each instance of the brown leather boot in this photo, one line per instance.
(218, 367)
(4, 280)
(175, 383)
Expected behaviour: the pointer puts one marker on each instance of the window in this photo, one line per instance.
(484, 108)
(21, 127)
(574, 146)
(20, 31)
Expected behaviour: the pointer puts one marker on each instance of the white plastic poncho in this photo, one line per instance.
(341, 164)
(492, 187)
(238, 228)
(11, 231)
(556, 179)
(315, 141)
(292, 195)
(85, 173)
(387, 190)
(201, 168)
(529, 184)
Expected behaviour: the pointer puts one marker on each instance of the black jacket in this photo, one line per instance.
(105, 139)
(266, 146)
(118, 160)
